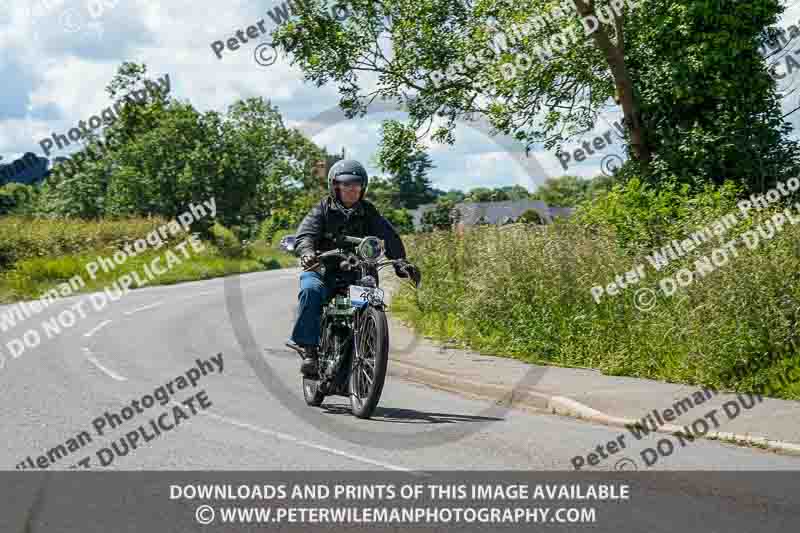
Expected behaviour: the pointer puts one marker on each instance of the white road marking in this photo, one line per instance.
(194, 296)
(111, 373)
(301, 442)
(145, 308)
(97, 328)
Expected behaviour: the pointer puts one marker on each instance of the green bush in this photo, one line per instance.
(227, 242)
(531, 216)
(401, 220)
(17, 198)
(642, 216)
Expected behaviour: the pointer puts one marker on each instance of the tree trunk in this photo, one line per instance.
(624, 87)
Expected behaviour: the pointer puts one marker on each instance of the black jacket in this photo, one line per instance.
(325, 222)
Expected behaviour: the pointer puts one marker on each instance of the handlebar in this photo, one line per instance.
(343, 255)
(349, 259)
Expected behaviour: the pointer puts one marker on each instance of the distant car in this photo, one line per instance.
(287, 243)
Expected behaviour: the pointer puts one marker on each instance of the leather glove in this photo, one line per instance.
(307, 260)
(404, 269)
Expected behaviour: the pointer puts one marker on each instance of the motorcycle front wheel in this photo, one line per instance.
(368, 370)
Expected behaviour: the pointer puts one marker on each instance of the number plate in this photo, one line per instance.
(359, 295)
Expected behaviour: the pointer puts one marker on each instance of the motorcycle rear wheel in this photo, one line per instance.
(368, 372)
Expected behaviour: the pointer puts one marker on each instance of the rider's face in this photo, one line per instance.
(349, 192)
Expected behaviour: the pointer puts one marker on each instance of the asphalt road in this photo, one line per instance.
(253, 416)
(147, 338)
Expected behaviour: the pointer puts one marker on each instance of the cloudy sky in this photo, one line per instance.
(59, 55)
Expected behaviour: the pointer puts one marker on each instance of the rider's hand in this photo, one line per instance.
(404, 269)
(308, 260)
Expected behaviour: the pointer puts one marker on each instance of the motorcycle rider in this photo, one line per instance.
(343, 212)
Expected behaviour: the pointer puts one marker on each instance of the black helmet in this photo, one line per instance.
(345, 171)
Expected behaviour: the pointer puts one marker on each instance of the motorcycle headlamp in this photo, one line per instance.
(370, 249)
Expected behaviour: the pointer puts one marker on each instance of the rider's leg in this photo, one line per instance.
(309, 309)
(306, 333)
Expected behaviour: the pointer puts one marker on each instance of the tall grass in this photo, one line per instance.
(28, 237)
(524, 291)
(38, 254)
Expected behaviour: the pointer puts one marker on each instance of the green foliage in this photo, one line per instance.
(18, 199)
(483, 194)
(227, 242)
(708, 104)
(525, 292)
(169, 155)
(453, 195)
(531, 216)
(689, 72)
(402, 156)
(23, 237)
(565, 191)
(287, 217)
(442, 216)
(516, 192)
(643, 216)
(401, 219)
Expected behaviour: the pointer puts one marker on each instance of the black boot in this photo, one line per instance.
(309, 368)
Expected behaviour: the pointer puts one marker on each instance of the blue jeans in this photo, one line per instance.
(314, 291)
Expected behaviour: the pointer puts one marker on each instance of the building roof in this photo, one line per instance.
(498, 212)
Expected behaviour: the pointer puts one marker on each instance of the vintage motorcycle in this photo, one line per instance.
(354, 347)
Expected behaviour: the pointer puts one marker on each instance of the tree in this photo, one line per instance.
(696, 99)
(516, 192)
(167, 155)
(402, 156)
(483, 194)
(454, 195)
(381, 192)
(566, 191)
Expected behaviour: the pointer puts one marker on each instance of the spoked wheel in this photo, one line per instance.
(368, 370)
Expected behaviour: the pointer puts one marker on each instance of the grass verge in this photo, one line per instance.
(525, 292)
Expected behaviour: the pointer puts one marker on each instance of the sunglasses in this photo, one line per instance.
(349, 185)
